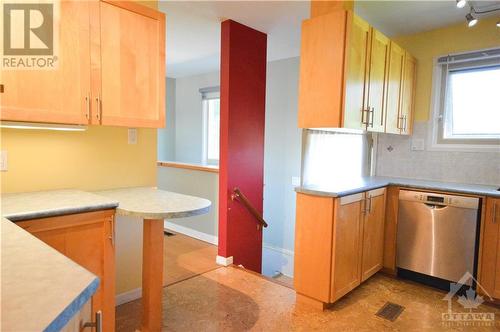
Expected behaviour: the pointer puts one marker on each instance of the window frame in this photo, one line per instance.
(440, 99)
(207, 95)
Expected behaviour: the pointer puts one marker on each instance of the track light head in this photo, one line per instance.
(461, 3)
(471, 20)
(498, 24)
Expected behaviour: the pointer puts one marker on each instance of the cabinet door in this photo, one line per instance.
(313, 246)
(59, 95)
(379, 53)
(132, 65)
(88, 239)
(347, 231)
(408, 94)
(373, 233)
(322, 70)
(355, 98)
(489, 277)
(394, 88)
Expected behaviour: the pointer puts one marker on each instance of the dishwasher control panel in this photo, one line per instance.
(439, 199)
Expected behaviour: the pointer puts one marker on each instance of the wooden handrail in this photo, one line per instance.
(237, 194)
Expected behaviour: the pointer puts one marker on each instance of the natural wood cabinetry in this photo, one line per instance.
(59, 95)
(132, 68)
(406, 113)
(489, 276)
(110, 70)
(348, 78)
(338, 243)
(373, 233)
(88, 239)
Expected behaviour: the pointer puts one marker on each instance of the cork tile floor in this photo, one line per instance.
(230, 299)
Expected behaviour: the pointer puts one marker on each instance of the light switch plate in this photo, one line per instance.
(132, 135)
(3, 161)
(417, 144)
(295, 181)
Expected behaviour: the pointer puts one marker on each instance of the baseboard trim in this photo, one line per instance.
(224, 261)
(275, 259)
(192, 233)
(128, 296)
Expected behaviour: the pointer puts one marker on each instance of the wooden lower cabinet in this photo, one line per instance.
(87, 239)
(489, 276)
(339, 243)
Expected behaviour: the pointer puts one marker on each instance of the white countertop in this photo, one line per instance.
(354, 186)
(152, 203)
(41, 289)
(40, 204)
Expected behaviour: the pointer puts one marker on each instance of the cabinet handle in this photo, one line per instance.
(112, 236)
(371, 116)
(363, 111)
(404, 123)
(99, 107)
(1, 88)
(494, 212)
(97, 324)
(87, 107)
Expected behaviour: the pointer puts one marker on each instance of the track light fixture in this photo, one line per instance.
(498, 24)
(471, 20)
(461, 3)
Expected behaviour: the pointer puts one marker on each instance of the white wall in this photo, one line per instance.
(189, 116)
(282, 154)
(196, 183)
(166, 136)
(448, 166)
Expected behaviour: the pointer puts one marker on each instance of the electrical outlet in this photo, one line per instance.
(132, 135)
(417, 144)
(3, 161)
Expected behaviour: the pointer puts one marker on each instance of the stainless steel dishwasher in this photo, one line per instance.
(436, 234)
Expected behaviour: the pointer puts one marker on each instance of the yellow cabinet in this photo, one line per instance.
(339, 243)
(489, 273)
(88, 239)
(110, 70)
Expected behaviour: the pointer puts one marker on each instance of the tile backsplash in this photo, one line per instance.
(395, 158)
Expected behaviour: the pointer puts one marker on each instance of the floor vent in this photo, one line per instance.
(390, 311)
(168, 233)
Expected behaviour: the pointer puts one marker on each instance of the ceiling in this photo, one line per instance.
(193, 27)
(193, 30)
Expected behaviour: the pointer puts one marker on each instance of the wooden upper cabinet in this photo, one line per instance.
(373, 233)
(322, 70)
(379, 55)
(356, 88)
(394, 89)
(132, 68)
(110, 70)
(408, 94)
(56, 95)
(489, 276)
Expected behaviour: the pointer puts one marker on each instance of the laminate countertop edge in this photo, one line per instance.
(370, 183)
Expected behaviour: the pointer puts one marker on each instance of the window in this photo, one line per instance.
(211, 125)
(467, 111)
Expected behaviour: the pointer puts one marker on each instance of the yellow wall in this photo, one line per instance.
(426, 46)
(98, 158)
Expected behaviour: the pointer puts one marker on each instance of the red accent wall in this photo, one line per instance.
(243, 98)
